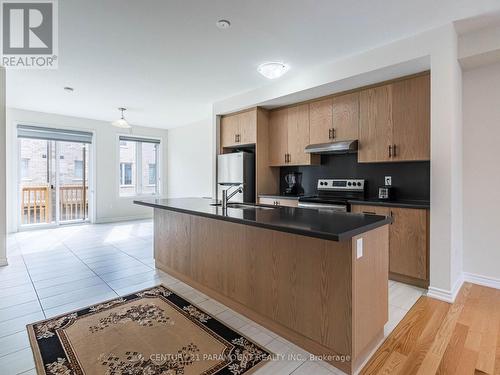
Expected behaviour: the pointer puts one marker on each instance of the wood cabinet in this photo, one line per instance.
(298, 135)
(394, 121)
(346, 117)
(321, 121)
(408, 242)
(411, 119)
(239, 129)
(288, 137)
(334, 119)
(278, 137)
(375, 124)
(408, 238)
(276, 201)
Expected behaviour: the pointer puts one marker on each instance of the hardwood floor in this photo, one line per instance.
(440, 338)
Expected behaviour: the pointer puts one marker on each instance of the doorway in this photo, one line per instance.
(54, 170)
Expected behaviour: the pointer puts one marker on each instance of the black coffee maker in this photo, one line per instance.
(293, 183)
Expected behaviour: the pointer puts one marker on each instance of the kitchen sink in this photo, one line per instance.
(249, 207)
(243, 206)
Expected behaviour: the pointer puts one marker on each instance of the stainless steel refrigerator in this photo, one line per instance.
(237, 168)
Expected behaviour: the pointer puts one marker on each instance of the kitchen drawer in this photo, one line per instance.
(279, 202)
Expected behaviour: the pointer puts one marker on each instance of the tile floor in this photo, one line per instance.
(53, 271)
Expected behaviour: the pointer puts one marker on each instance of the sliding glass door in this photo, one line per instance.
(72, 181)
(53, 176)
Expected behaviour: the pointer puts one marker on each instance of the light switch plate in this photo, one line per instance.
(359, 248)
(388, 180)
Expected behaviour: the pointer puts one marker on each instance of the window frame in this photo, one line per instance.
(122, 174)
(156, 172)
(25, 168)
(80, 176)
(138, 168)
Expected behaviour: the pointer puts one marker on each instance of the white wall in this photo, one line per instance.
(481, 178)
(109, 206)
(3, 193)
(190, 150)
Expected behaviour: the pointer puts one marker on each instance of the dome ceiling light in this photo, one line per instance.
(121, 123)
(273, 70)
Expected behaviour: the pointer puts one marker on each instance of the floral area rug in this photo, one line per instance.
(151, 332)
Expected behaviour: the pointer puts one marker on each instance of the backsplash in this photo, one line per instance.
(411, 180)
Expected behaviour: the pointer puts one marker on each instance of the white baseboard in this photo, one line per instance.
(482, 280)
(3, 262)
(104, 220)
(446, 295)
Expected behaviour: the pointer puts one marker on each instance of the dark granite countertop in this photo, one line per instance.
(394, 203)
(335, 226)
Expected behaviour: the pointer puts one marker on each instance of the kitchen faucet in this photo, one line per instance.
(226, 197)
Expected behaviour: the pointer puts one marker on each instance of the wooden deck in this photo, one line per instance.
(36, 203)
(440, 338)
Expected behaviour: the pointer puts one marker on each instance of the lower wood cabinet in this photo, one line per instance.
(408, 242)
(271, 201)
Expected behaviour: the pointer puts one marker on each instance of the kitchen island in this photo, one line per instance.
(317, 278)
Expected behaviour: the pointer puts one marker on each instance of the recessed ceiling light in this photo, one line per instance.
(69, 89)
(273, 70)
(223, 24)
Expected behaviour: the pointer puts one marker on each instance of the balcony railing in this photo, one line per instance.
(36, 203)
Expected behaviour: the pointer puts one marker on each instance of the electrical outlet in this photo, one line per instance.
(359, 248)
(388, 180)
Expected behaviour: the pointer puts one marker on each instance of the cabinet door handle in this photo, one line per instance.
(329, 133)
(289, 158)
(333, 133)
(394, 150)
(390, 151)
(235, 138)
(369, 213)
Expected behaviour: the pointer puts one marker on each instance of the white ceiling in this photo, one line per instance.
(166, 61)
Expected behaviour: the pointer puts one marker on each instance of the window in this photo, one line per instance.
(138, 166)
(25, 168)
(79, 169)
(125, 174)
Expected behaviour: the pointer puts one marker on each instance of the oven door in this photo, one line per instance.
(324, 206)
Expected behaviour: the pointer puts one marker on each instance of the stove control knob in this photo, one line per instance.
(349, 184)
(359, 183)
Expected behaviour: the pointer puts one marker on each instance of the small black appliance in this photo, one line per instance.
(293, 183)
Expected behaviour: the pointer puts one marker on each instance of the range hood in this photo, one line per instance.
(342, 147)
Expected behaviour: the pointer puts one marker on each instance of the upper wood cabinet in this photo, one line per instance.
(375, 124)
(394, 121)
(321, 121)
(278, 137)
(289, 135)
(298, 135)
(334, 119)
(411, 119)
(239, 129)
